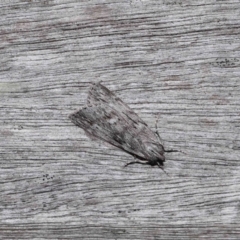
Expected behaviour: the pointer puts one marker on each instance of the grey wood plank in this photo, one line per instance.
(179, 59)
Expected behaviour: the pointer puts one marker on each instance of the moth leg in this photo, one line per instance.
(157, 133)
(136, 162)
(171, 150)
(162, 168)
(146, 163)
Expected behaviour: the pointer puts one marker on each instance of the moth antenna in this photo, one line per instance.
(160, 139)
(156, 123)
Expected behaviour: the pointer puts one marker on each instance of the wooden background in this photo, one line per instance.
(177, 58)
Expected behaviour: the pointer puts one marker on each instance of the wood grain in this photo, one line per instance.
(179, 59)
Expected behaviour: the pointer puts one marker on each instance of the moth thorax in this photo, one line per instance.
(155, 151)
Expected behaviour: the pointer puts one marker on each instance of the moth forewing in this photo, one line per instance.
(108, 118)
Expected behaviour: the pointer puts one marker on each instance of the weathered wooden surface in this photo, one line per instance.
(177, 58)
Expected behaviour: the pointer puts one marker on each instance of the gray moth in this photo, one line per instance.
(108, 118)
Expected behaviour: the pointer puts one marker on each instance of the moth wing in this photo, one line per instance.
(106, 124)
(108, 118)
(99, 94)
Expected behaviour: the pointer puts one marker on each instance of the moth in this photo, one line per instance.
(108, 118)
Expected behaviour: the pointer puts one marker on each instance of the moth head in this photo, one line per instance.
(155, 153)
